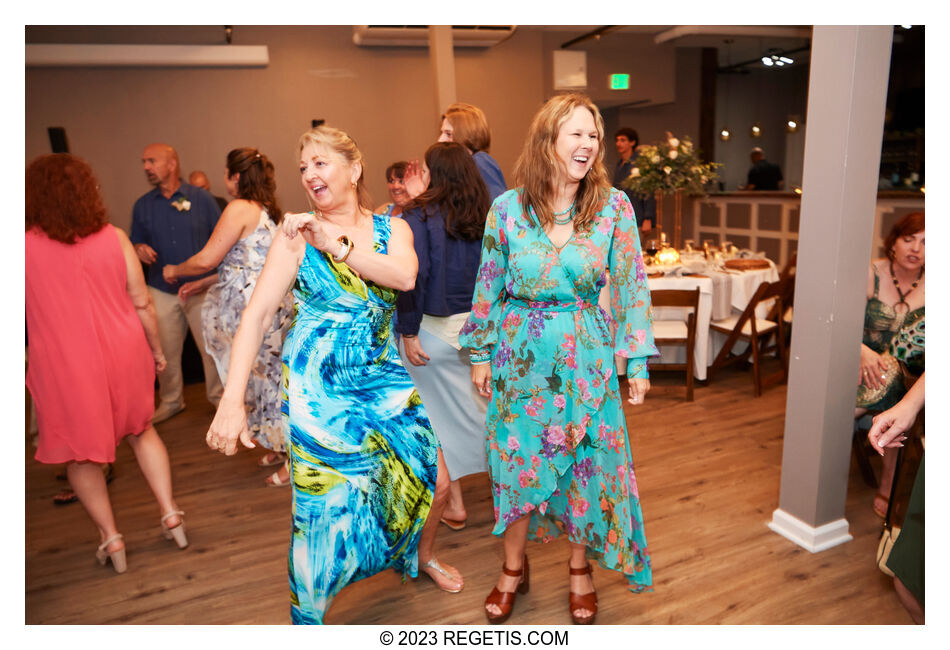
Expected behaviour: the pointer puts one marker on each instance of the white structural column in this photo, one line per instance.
(443, 64)
(846, 99)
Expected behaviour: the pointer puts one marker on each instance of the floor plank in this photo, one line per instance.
(708, 473)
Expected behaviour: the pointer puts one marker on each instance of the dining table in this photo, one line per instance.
(723, 292)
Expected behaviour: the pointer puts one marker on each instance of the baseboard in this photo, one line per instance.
(808, 537)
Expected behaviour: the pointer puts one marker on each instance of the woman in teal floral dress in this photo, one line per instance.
(557, 443)
(364, 461)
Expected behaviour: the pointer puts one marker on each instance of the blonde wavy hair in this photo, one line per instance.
(469, 126)
(342, 144)
(538, 165)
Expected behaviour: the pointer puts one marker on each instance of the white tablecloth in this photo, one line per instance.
(720, 295)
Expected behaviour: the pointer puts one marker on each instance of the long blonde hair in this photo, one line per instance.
(538, 164)
(339, 142)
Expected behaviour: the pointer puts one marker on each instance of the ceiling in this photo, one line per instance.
(735, 43)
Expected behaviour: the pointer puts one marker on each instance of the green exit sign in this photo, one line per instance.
(620, 82)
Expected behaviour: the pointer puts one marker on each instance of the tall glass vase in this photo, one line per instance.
(658, 195)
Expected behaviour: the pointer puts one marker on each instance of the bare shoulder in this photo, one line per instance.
(124, 240)
(242, 210)
(398, 224)
(119, 232)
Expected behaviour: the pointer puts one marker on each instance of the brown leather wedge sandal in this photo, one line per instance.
(505, 600)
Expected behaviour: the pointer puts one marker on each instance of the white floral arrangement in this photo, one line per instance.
(670, 165)
(182, 204)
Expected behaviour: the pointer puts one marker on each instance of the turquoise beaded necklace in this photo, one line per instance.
(570, 216)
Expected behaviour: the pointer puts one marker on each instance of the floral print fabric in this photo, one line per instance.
(220, 316)
(556, 435)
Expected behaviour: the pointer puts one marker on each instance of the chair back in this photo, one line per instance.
(683, 298)
(675, 298)
(789, 270)
(766, 291)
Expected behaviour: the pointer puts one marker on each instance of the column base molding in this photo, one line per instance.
(809, 537)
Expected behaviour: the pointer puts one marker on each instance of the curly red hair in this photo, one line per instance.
(62, 198)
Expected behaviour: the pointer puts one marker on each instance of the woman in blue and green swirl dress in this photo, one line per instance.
(366, 468)
(542, 350)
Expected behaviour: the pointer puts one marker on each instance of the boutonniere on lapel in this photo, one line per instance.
(182, 204)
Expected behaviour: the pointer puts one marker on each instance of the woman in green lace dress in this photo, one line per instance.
(892, 349)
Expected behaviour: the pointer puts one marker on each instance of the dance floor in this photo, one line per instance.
(708, 473)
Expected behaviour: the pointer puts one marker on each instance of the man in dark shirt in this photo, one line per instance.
(200, 179)
(644, 207)
(763, 175)
(170, 224)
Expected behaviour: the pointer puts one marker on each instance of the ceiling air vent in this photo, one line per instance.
(418, 35)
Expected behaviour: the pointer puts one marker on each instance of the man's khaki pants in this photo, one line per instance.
(174, 320)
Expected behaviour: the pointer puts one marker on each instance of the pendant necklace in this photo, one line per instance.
(900, 293)
(570, 216)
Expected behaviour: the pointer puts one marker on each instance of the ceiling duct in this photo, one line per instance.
(418, 35)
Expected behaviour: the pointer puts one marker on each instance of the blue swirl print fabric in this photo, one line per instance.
(363, 454)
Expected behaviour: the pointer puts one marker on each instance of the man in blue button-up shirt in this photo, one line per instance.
(170, 224)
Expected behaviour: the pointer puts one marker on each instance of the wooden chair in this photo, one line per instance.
(746, 327)
(788, 273)
(677, 331)
(785, 315)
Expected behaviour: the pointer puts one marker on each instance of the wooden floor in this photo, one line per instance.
(708, 474)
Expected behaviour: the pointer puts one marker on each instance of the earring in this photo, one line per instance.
(353, 185)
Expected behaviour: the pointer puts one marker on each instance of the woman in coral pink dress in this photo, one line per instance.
(94, 346)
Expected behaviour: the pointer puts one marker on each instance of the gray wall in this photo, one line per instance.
(384, 97)
(680, 115)
(768, 96)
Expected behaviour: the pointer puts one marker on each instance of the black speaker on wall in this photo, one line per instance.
(57, 139)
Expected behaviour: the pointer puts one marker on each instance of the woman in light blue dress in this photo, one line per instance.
(542, 350)
(447, 222)
(466, 125)
(238, 247)
(366, 468)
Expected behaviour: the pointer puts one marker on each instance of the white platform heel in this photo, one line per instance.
(117, 557)
(178, 532)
